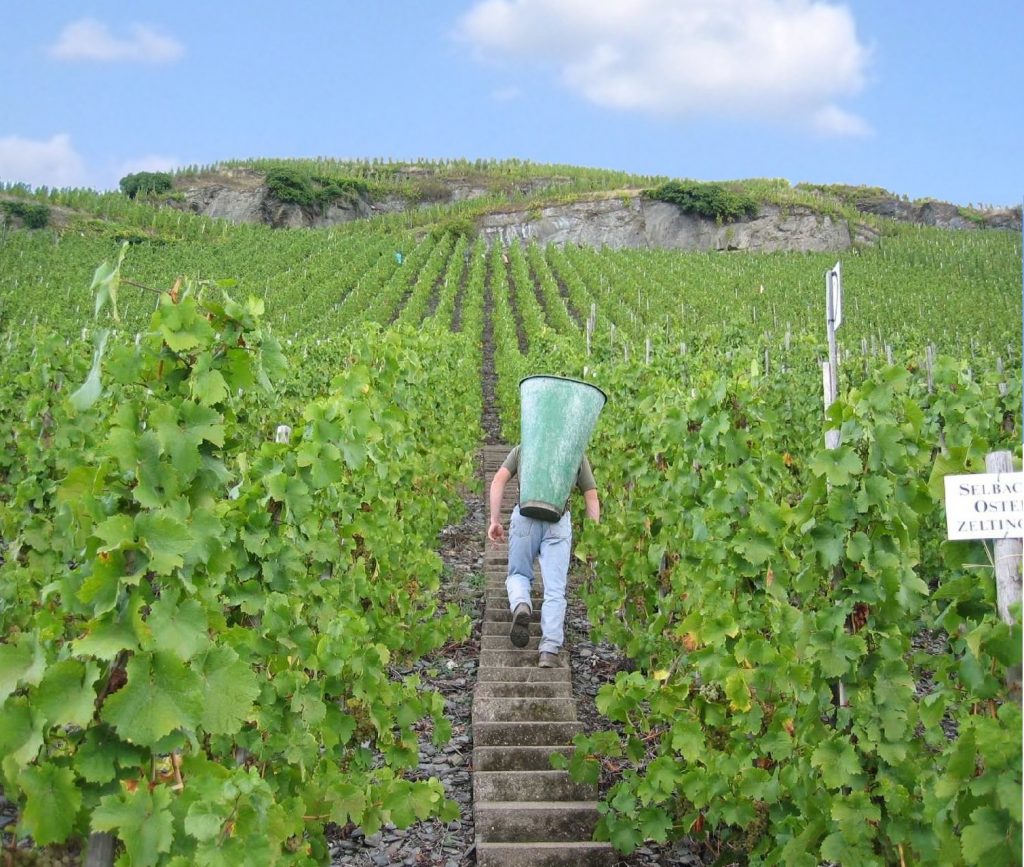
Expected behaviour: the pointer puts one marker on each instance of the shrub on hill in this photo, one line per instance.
(144, 183)
(31, 214)
(714, 201)
(293, 185)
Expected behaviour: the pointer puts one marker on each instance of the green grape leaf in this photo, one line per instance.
(115, 532)
(89, 391)
(688, 739)
(160, 696)
(655, 824)
(105, 640)
(166, 537)
(20, 662)
(755, 547)
(181, 325)
(229, 689)
(51, 805)
(738, 692)
(984, 840)
(399, 805)
(100, 754)
(21, 733)
(837, 761)
(66, 693)
(207, 383)
(178, 627)
(348, 802)
(142, 820)
(838, 465)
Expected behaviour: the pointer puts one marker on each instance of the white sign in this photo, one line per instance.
(834, 296)
(985, 506)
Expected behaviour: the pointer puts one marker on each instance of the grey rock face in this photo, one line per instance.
(616, 221)
(639, 223)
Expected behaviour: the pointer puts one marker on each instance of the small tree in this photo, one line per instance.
(145, 183)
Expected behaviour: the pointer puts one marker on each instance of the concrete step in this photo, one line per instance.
(529, 786)
(501, 598)
(528, 734)
(496, 587)
(522, 822)
(516, 758)
(497, 614)
(562, 854)
(529, 709)
(514, 658)
(503, 642)
(497, 689)
(494, 608)
(496, 627)
(522, 674)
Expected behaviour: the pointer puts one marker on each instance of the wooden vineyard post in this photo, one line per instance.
(99, 850)
(990, 506)
(1008, 563)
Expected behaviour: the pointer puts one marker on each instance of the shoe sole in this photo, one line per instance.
(520, 632)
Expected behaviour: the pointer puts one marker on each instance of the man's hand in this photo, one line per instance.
(495, 532)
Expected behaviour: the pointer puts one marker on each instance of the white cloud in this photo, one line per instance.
(89, 39)
(52, 163)
(834, 121)
(784, 60)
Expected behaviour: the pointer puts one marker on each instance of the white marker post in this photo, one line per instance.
(830, 386)
(991, 506)
(830, 368)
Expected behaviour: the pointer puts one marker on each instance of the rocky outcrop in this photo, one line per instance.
(626, 219)
(638, 222)
(941, 214)
(253, 204)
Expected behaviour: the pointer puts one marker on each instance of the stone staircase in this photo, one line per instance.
(525, 812)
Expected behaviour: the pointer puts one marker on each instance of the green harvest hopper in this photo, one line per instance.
(557, 417)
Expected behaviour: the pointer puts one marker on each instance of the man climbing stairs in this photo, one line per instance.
(525, 812)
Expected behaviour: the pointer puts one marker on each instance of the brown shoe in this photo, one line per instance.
(520, 632)
(548, 660)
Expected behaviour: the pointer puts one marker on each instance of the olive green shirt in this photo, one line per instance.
(584, 478)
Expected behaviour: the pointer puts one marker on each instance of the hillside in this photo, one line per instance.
(512, 200)
(553, 208)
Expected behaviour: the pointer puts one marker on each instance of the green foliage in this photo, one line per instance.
(146, 183)
(293, 185)
(32, 215)
(717, 560)
(183, 592)
(714, 201)
(459, 227)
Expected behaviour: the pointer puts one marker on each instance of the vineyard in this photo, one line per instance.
(227, 452)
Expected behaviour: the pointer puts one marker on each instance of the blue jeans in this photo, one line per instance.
(530, 539)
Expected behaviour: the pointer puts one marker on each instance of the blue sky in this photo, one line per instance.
(922, 98)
